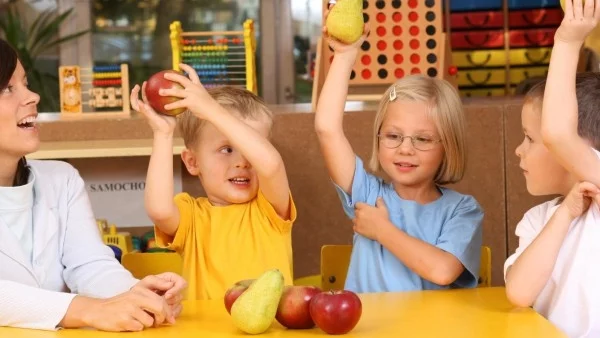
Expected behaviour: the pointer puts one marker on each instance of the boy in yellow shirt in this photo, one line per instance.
(243, 227)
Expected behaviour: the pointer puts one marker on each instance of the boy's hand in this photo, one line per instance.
(193, 95)
(368, 220)
(579, 198)
(579, 20)
(338, 46)
(160, 124)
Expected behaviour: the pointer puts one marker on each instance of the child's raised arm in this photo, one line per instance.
(261, 154)
(559, 111)
(336, 149)
(529, 272)
(158, 195)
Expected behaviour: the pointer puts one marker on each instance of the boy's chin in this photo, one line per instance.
(239, 198)
(536, 191)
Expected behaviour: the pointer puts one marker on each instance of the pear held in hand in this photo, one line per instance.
(345, 21)
(254, 310)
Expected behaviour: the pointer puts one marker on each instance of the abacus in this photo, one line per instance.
(406, 38)
(220, 58)
(103, 89)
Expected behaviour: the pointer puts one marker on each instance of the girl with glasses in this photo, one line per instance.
(410, 232)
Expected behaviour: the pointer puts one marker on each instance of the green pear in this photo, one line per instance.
(254, 311)
(345, 21)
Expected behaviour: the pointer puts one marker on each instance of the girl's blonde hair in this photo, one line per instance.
(446, 110)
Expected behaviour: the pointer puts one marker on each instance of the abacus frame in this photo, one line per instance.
(124, 87)
(249, 39)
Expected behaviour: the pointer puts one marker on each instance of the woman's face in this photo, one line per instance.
(18, 114)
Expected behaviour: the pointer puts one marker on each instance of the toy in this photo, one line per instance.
(119, 242)
(219, 58)
(406, 38)
(148, 243)
(101, 89)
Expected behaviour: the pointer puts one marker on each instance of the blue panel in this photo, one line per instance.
(475, 5)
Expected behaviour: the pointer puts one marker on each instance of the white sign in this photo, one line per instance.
(116, 187)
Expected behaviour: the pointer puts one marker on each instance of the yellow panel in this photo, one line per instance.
(481, 77)
(518, 75)
(530, 56)
(483, 92)
(479, 58)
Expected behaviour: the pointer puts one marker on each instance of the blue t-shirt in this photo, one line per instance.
(451, 223)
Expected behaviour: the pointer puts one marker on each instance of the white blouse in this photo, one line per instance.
(68, 256)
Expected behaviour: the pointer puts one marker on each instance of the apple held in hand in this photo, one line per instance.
(158, 102)
(336, 312)
(234, 292)
(294, 307)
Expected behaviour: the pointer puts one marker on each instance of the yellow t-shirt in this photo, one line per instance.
(223, 245)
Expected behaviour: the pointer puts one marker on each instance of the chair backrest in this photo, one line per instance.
(485, 269)
(335, 260)
(142, 264)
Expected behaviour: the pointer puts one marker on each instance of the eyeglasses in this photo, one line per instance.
(419, 142)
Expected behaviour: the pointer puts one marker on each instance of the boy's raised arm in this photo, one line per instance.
(261, 154)
(560, 111)
(158, 195)
(337, 151)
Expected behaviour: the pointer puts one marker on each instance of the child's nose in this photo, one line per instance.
(241, 162)
(406, 146)
(518, 151)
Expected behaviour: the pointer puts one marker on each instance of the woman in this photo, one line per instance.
(54, 269)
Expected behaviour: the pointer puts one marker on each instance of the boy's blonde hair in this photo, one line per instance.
(238, 101)
(446, 110)
(587, 89)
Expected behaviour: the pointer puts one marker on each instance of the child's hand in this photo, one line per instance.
(579, 198)
(338, 46)
(369, 220)
(579, 20)
(193, 95)
(161, 124)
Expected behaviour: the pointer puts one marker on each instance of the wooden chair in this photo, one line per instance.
(142, 264)
(335, 260)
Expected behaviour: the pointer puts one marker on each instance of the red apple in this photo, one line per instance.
(294, 307)
(156, 101)
(232, 294)
(336, 312)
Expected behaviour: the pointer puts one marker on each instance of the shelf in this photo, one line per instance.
(99, 148)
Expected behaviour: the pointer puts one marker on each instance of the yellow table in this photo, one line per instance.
(477, 313)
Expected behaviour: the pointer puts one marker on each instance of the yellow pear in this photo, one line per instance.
(345, 21)
(254, 311)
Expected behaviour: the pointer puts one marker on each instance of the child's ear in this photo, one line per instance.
(191, 162)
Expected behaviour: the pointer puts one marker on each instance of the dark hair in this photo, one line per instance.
(8, 64)
(587, 89)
